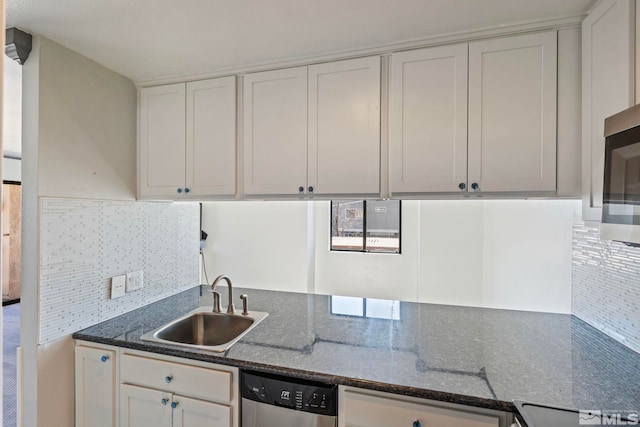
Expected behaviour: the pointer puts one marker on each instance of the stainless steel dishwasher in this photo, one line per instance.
(275, 401)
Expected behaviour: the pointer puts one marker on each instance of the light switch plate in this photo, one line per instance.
(134, 281)
(118, 286)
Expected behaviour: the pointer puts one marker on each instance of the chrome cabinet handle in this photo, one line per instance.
(164, 401)
(301, 189)
(174, 405)
(310, 189)
(186, 190)
(462, 186)
(168, 378)
(104, 358)
(179, 190)
(475, 186)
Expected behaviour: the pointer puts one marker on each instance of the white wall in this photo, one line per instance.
(87, 141)
(258, 244)
(11, 169)
(79, 141)
(512, 254)
(12, 107)
(451, 259)
(389, 276)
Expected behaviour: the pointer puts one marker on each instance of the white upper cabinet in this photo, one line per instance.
(188, 139)
(344, 127)
(211, 137)
(512, 114)
(275, 132)
(162, 140)
(319, 135)
(428, 120)
(607, 88)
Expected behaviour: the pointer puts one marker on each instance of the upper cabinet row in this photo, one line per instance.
(187, 142)
(313, 130)
(473, 117)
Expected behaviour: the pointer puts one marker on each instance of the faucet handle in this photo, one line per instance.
(245, 304)
(216, 302)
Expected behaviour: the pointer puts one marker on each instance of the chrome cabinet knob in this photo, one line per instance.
(168, 378)
(475, 186)
(301, 189)
(462, 186)
(179, 190)
(186, 190)
(310, 189)
(174, 405)
(104, 358)
(417, 423)
(164, 401)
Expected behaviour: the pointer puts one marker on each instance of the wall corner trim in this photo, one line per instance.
(17, 45)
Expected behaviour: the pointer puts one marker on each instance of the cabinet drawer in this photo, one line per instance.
(192, 381)
(372, 411)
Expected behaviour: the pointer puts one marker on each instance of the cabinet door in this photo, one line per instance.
(95, 387)
(198, 413)
(607, 88)
(373, 411)
(211, 137)
(144, 407)
(162, 140)
(344, 127)
(512, 113)
(275, 132)
(428, 120)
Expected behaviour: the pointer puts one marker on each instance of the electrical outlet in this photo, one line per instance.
(134, 281)
(118, 286)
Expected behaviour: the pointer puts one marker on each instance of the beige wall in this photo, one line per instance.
(79, 141)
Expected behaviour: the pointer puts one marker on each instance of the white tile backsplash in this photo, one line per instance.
(606, 285)
(83, 243)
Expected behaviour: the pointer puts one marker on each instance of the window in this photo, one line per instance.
(365, 225)
(365, 307)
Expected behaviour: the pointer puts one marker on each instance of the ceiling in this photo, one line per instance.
(154, 39)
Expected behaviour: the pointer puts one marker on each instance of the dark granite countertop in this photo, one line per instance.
(473, 356)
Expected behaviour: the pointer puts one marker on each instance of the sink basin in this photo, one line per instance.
(206, 330)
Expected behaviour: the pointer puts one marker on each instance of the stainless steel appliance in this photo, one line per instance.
(275, 401)
(621, 194)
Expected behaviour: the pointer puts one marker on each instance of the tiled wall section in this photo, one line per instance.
(84, 243)
(606, 285)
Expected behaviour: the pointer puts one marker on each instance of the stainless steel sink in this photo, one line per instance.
(206, 330)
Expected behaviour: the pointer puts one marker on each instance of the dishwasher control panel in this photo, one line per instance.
(301, 395)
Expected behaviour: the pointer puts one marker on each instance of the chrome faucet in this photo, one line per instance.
(230, 308)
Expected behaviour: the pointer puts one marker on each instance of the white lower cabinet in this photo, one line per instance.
(127, 388)
(144, 407)
(176, 393)
(360, 408)
(96, 385)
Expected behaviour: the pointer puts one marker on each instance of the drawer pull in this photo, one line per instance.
(165, 401)
(174, 405)
(417, 423)
(168, 378)
(104, 358)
